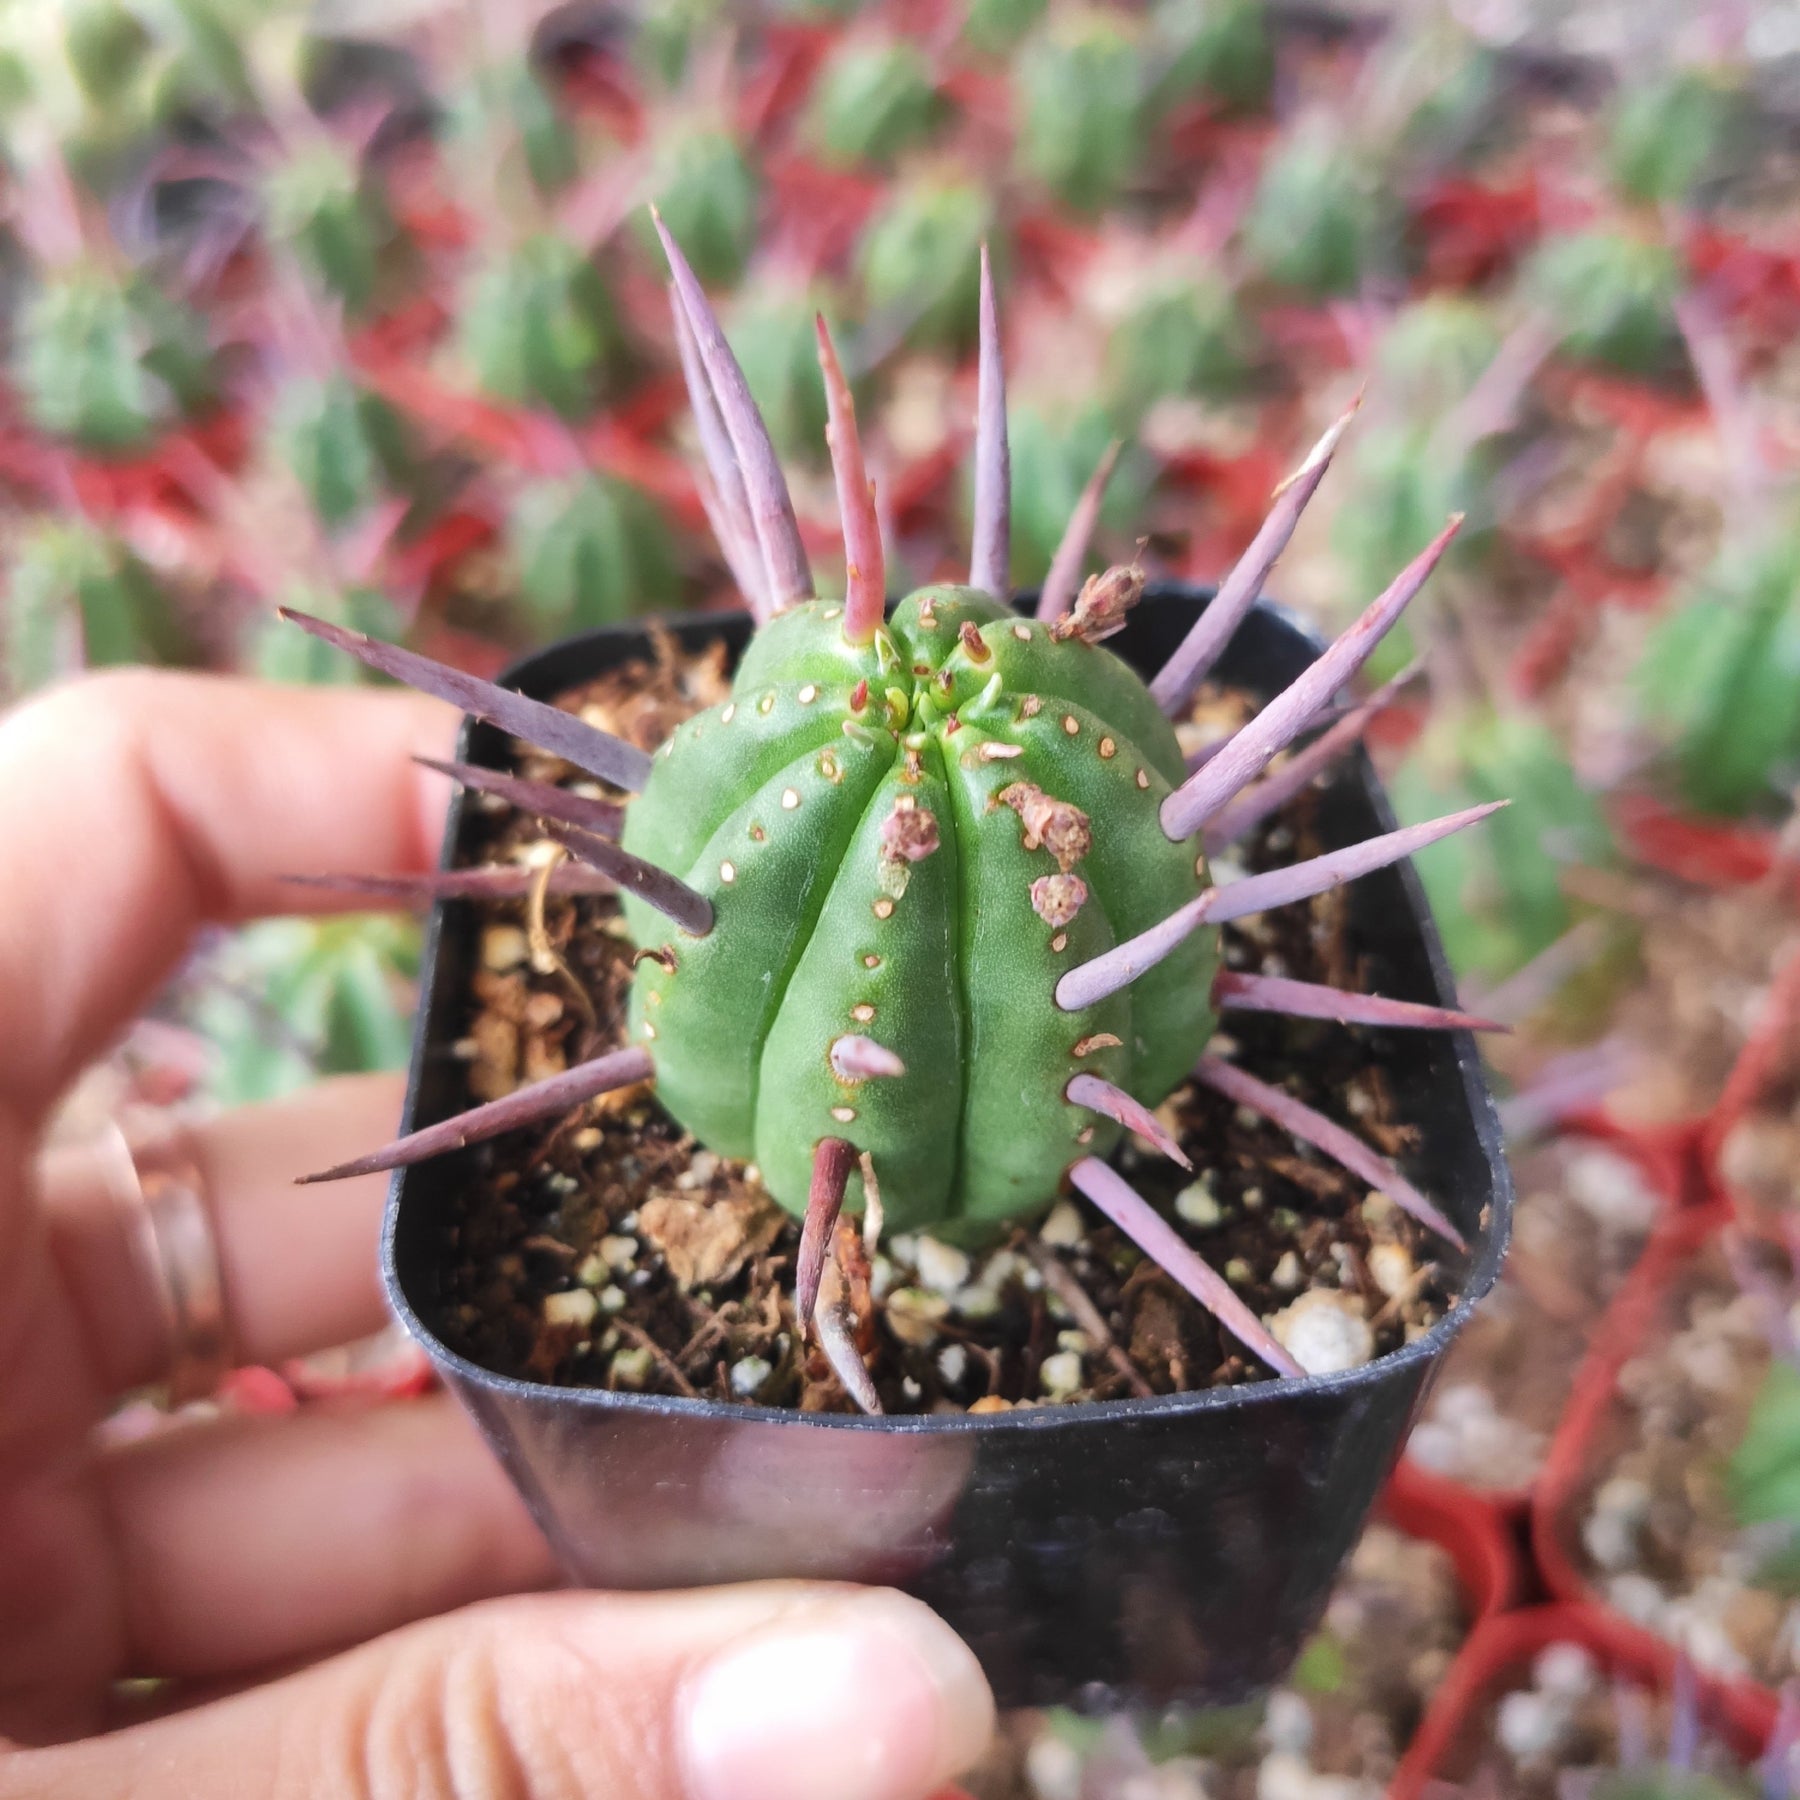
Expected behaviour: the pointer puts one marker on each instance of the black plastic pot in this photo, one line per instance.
(1127, 1553)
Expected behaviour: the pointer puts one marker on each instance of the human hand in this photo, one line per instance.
(133, 808)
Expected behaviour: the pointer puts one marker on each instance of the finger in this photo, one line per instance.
(774, 1692)
(247, 1542)
(298, 1266)
(137, 804)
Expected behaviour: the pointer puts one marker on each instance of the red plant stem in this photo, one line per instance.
(833, 1161)
(865, 590)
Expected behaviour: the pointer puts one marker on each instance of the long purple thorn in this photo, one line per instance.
(1064, 574)
(670, 895)
(1158, 1239)
(1255, 804)
(496, 881)
(856, 1058)
(1233, 992)
(1326, 1135)
(990, 550)
(539, 798)
(741, 555)
(1200, 757)
(548, 727)
(1101, 1096)
(1176, 681)
(833, 1161)
(1203, 794)
(865, 593)
(547, 1099)
(771, 506)
(1319, 874)
(1124, 963)
(724, 499)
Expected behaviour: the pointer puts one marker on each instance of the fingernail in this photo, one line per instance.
(868, 1697)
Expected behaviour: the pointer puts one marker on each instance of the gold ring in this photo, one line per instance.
(157, 1186)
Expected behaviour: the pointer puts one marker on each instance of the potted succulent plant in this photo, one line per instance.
(849, 947)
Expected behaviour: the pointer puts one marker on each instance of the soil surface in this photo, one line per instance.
(1655, 1527)
(1583, 1215)
(611, 1250)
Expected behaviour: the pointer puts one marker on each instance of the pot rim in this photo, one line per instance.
(1483, 1271)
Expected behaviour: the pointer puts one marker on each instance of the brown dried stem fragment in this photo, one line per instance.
(1105, 600)
(833, 1159)
(1060, 1279)
(544, 954)
(1049, 824)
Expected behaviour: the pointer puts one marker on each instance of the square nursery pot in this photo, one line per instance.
(1117, 1554)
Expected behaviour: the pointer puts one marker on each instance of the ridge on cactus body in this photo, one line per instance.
(910, 841)
(926, 899)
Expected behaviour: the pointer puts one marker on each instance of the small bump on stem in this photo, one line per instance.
(855, 1058)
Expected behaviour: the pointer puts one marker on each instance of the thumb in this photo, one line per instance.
(780, 1691)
